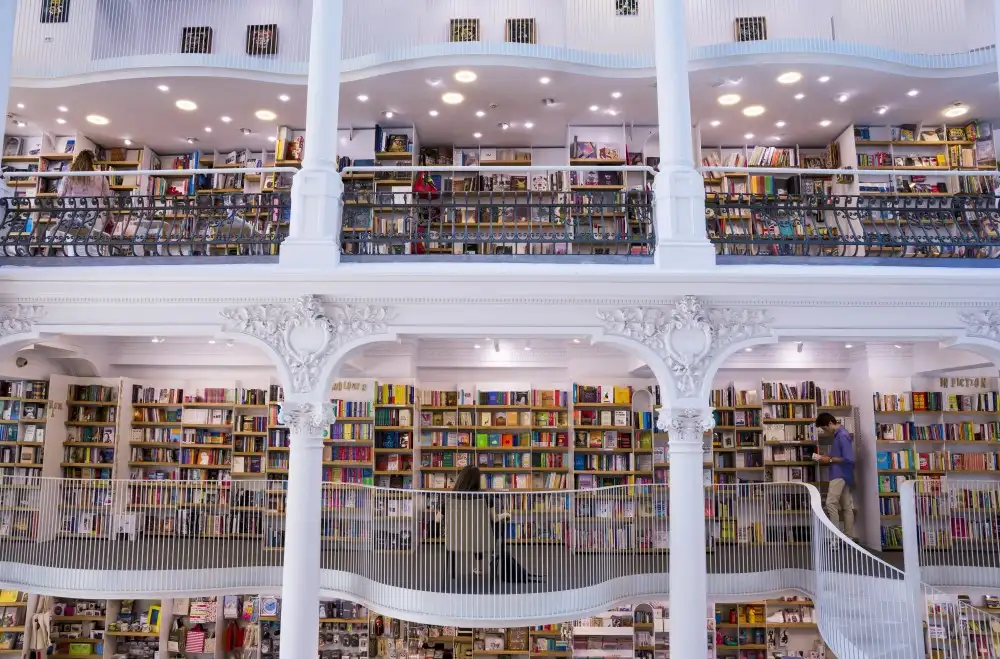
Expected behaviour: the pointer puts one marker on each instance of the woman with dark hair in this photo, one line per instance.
(505, 567)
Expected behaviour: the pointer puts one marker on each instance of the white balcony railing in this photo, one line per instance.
(465, 557)
(272, 36)
(951, 530)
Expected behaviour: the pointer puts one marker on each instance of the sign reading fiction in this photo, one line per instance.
(968, 383)
(354, 390)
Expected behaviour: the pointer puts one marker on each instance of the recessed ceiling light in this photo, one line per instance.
(265, 115)
(60, 120)
(825, 123)
(790, 78)
(272, 138)
(61, 108)
(774, 138)
(748, 349)
(433, 113)
(616, 94)
(576, 340)
(528, 348)
(882, 109)
(504, 125)
(729, 99)
(163, 88)
(230, 343)
(452, 98)
(128, 142)
(20, 124)
(211, 341)
(476, 346)
(956, 110)
(98, 120)
(841, 98)
(208, 129)
(896, 345)
(245, 131)
(433, 82)
(913, 92)
(613, 112)
(545, 80)
(465, 76)
(594, 108)
(477, 135)
(186, 105)
(388, 114)
(753, 110)
(748, 136)
(155, 339)
(529, 125)
(363, 98)
(192, 140)
(779, 124)
(848, 345)
(480, 113)
(226, 120)
(715, 122)
(824, 78)
(284, 98)
(20, 106)
(799, 97)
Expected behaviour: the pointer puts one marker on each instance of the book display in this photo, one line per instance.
(23, 415)
(14, 623)
(133, 628)
(769, 628)
(932, 436)
(91, 432)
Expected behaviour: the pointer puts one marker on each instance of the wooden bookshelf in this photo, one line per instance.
(393, 435)
(24, 409)
(91, 432)
(749, 628)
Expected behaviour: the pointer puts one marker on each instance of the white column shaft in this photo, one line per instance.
(688, 578)
(673, 93)
(8, 16)
(323, 92)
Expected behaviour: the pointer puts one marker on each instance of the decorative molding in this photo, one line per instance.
(304, 333)
(984, 324)
(18, 318)
(687, 424)
(307, 420)
(688, 336)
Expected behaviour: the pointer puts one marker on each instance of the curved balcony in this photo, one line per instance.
(452, 557)
(115, 38)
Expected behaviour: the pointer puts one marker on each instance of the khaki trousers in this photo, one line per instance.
(840, 506)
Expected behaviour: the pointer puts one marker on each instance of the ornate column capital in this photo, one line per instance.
(307, 420)
(305, 334)
(18, 318)
(686, 426)
(688, 335)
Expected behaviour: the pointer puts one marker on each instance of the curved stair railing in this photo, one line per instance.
(490, 558)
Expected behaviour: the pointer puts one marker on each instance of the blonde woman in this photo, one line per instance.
(83, 197)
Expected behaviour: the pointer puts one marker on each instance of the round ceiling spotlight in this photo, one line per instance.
(753, 110)
(790, 78)
(465, 76)
(433, 113)
(245, 131)
(956, 110)
(545, 80)
(452, 98)
(477, 135)
(729, 99)
(98, 120)
(363, 98)
(825, 123)
(186, 105)
(265, 115)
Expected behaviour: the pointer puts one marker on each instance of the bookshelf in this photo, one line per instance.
(250, 433)
(932, 436)
(133, 628)
(15, 623)
(91, 432)
(23, 415)
(782, 627)
(78, 628)
(393, 435)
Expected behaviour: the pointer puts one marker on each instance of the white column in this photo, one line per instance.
(314, 231)
(679, 190)
(8, 16)
(687, 422)
(306, 416)
(911, 565)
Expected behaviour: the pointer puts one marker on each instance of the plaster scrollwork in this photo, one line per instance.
(306, 419)
(305, 333)
(688, 335)
(983, 324)
(18, 318)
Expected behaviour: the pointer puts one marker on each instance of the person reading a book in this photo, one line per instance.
(84, 197)
(840, 495)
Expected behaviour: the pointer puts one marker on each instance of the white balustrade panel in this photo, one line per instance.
(110, 35)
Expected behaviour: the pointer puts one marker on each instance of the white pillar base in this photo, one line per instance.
(317, 212)
(679, 209)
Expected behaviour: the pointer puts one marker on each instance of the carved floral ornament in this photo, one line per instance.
(18, 318)
(305, 333)
(306, 419)
(983, 324)
(687, 423)
(688, 335)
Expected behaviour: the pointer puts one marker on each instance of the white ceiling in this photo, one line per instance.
(138, 110)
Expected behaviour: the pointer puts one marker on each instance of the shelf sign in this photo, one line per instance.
(967, 383)
(354, 390)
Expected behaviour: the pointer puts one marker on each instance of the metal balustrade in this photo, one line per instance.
(805, 224)
(585, 214)
(272, 36)
(132, 227)
(518, 556)
(951, 531)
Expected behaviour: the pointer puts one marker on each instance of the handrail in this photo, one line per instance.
(902, 171)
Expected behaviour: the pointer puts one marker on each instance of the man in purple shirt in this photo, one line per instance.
(840, 495)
